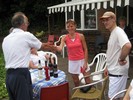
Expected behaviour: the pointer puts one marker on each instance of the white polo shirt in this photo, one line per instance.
(117, 40)
(16, 48)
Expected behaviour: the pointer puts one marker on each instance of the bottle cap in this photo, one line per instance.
(39, 61)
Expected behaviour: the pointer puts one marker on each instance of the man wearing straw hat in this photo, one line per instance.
(117, 55)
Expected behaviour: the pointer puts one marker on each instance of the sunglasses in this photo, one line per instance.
(106, 19)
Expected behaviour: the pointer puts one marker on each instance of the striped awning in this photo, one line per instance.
(86, 4)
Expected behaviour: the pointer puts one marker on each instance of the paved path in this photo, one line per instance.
(63, 65)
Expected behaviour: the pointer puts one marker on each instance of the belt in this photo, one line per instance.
(15, 68)
(115, 75)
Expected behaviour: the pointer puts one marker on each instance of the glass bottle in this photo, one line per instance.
(50, 65)
(40, 75)
(46, 72)
(55, 68)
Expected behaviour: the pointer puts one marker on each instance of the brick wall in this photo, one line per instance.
(91, 35)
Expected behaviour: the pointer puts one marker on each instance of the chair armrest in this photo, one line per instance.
(118, 93)
(89, 84)
(96, 73)
(91, 64)
(55, 43)
(92, 74)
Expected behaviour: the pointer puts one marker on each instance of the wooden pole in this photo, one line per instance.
(48, 23)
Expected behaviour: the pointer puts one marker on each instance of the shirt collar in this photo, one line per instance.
(17, 30)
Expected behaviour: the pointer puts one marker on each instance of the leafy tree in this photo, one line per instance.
(36, 10)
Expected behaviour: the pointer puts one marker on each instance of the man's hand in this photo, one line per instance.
(106, 72)
(122, 62)
(53, 48)
(47, 46)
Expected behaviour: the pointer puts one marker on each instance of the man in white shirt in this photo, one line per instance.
(16, 48)
(117, 55)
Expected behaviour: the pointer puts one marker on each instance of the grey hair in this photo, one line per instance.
(17, 19)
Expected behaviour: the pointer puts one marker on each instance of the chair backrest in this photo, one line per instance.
(59, 40)
(58, 43)
(100, 60)
(119, 93)
(47, 52)
(60, 92)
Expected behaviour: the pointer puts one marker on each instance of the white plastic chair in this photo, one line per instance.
(119, 93)
(59, 40)
(96, 93)
(47, 52)
(100, 60)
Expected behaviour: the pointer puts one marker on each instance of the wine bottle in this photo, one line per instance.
(50, 65)
(39, 69)
(55, 68)
(46, 72)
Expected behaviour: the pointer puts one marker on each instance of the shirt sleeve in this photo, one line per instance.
(33, 41)
(122, 38)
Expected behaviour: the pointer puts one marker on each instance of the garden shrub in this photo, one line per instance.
(3, 91)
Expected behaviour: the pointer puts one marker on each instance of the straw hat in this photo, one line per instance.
(107, 15)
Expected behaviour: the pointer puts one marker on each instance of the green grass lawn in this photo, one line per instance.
(3, 92)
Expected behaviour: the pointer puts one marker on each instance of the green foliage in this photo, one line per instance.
(3, 91)
(4, 26)
(39, 34)
(40, 7)
(35, 10)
